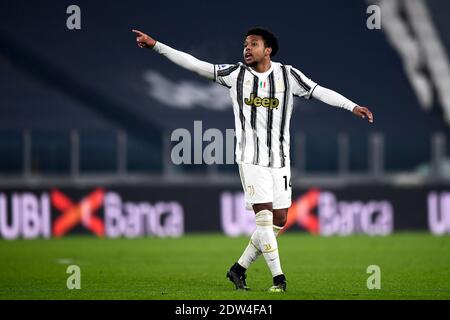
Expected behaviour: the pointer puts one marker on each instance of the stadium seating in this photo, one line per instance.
(98, 83)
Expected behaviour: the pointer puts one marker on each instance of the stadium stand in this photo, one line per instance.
(96, 83)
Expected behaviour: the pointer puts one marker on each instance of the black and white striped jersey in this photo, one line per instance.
(262, 104)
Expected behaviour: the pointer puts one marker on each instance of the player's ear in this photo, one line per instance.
(268, 51)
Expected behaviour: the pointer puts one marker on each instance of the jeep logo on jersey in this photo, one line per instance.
(271, 103)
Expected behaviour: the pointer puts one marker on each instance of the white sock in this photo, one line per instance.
(252, 252)
(267, 241)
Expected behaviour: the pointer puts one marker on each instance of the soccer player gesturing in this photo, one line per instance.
(262, 93)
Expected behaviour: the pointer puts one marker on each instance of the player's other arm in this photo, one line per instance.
(180, 58)
(337, 100)
(305, 87)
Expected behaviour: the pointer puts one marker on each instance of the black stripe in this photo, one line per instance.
(239, 94)
(214, 73)
(312, 91)
(302, 83)
(283, 112)
(253, 108)
(227, 71)
(270, 118)
(253, 120)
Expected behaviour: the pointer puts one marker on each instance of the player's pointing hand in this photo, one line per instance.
(363, 112)
(144, 40)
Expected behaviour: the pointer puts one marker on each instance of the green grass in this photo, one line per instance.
(413, 266)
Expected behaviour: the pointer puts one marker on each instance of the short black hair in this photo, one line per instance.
(270, 40)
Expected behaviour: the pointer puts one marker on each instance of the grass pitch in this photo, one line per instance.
(413, 266)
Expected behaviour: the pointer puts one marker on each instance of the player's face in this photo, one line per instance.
(254, 50)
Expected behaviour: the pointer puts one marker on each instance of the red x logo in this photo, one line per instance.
(301, 212)
(73, 214)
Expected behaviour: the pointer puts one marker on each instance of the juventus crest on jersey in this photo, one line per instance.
(262, 105)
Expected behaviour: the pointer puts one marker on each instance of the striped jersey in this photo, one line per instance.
(262, 105)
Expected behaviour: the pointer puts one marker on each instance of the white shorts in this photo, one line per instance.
(265, 184)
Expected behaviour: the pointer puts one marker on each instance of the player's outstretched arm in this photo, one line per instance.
(180, 58)
(337, 100)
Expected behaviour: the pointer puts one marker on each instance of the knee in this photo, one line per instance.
(280, 217)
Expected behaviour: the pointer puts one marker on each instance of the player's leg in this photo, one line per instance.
(252, 252)
(252, 178)
(279, 220)
(267, 239)
(282, 201)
